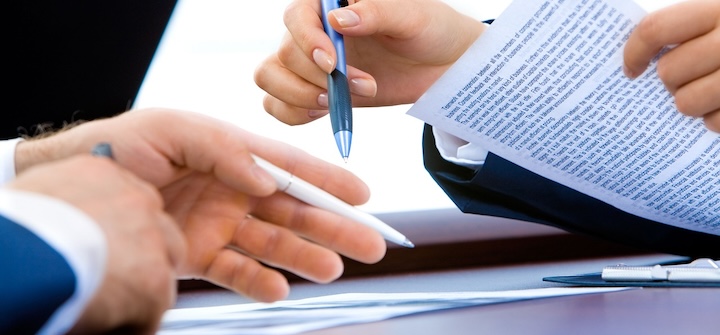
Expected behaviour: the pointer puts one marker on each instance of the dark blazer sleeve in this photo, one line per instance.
(501, 188)
(35, 280)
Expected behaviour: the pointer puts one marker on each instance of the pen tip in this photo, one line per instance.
(408, 244)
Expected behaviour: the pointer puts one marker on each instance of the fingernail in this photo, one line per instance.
(346, 18)
(364, 87)
(322, 100)
(314, 113)
(323, 60)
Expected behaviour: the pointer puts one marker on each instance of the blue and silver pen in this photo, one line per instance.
(339, 102)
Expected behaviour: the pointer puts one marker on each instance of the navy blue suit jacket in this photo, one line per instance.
(35, 280)
(501, 188)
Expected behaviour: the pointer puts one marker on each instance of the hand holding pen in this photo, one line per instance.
(315, 196)
(309, 194)
(392, 57)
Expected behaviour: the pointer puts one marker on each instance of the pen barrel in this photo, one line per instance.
(340, 102)
(335, 37)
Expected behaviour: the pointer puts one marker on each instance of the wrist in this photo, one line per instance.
(48, 147)
(35, 151)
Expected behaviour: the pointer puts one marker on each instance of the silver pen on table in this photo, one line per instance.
(315, 196)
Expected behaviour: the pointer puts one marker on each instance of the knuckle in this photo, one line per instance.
(273, 242)
(712, 125)
(290, 10)
(684, 104)
(665, 74)
(259, 74)
(285, 51)
(268, 104)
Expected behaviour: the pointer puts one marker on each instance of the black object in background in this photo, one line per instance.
(69, 60)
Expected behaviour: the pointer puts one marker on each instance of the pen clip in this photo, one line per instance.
(699, 270)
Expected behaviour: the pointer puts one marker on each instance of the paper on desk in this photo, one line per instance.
(544, 88)
(296, 316)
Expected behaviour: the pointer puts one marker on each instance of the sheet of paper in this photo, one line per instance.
(544, 89)
(296, 316)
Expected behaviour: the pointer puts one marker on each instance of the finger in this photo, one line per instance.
(339, 182)
(291, 57)
(280, 248)
(291, 99)
(699, 97)
(344, 236)
(289, 114)
(303, 21)
(689, 61)
(364, 18)
(217, 148)
(295, 100)
(247, 276)
(671, 25)
(712, 121)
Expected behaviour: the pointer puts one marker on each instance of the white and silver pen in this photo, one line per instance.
(315, 196)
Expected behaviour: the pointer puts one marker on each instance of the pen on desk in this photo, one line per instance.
(339, 102)
(315, 196)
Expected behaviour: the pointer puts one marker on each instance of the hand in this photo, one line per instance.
(144, 244)
(691, 70)
(395, 50)
(235, 221)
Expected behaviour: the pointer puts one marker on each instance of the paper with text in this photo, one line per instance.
(544, 88)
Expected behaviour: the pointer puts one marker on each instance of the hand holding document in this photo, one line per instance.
(544, 88)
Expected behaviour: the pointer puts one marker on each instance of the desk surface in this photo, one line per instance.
(654, 311)
(640, 311)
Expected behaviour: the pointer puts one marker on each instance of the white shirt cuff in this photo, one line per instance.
(74, 235)
(459, 151)
(7, 159)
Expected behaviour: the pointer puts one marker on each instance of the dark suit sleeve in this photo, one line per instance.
(35, 280)
(501, 188)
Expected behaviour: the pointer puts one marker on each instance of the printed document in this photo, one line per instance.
(296, 316)
(543, 87)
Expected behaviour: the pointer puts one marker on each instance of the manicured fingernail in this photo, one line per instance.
(323, 60)
(314, 113)
(322, 100)
(346, 18)
(364, 87)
